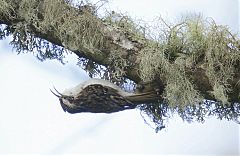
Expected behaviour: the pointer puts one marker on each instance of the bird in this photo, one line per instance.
(101, 96)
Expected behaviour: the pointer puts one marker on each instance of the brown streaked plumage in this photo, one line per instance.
(101, 96)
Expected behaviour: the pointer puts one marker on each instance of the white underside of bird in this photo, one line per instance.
(93, 81)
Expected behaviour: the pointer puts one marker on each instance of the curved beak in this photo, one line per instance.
(57, 94)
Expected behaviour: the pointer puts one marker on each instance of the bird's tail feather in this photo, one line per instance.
(142, 98)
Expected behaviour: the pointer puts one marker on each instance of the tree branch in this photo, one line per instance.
(117, 44)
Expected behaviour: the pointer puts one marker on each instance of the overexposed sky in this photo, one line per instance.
(33, 122)
(222, 11)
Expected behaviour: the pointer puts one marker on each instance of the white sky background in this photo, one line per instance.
(32, 120)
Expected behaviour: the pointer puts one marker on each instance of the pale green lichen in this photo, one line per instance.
(84, 30)
(193, 43)
(127, 31)
(6, 9)
(76, 28)
(118, 64)
(127, 25)
(221, 56)
(179, 90)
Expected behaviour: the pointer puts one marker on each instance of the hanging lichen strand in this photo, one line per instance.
(193, 44)
(84, 28)
(73, 28)
(194, 59)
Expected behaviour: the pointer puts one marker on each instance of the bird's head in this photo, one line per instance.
(68, 102)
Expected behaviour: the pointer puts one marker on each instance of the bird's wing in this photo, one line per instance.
(97, 98)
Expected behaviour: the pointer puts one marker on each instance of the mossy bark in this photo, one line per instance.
(88, 36)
